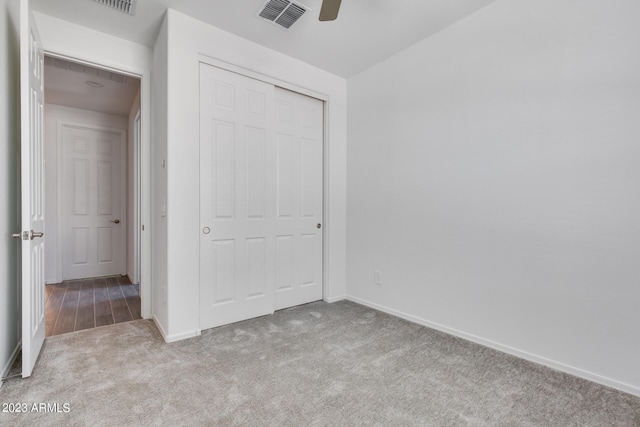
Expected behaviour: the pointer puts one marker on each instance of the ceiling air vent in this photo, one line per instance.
(124, 6)
(283, 13)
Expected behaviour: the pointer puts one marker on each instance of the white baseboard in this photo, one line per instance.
(335, 299)
(590, 376)
(160, 328)
(180, 337)
(7, 367)
(173, 338)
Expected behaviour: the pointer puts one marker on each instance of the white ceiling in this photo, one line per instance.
(365, 33)
(68, 87)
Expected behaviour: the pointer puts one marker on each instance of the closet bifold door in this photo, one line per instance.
(299, 227)
(261, 182)
(237, 195)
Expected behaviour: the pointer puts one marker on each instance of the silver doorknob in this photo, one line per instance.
(117, 221)
(28, 235)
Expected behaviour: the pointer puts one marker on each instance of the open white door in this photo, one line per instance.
(32, 175)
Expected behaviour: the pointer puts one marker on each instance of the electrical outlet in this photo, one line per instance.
(377, 278)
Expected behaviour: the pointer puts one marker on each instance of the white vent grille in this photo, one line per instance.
(273, 8)
(125, 6)
(283, 13)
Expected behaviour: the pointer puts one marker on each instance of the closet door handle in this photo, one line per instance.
(117, 221)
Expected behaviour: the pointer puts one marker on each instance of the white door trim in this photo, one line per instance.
(326, 218)
(256, 75)
(60, 125)
(326, 226)
(137, 228)
(84, 56)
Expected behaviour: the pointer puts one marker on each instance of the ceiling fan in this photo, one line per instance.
(329, 10)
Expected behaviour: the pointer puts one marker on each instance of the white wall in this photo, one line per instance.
(131, 260)
(9, 183)
(75, 41)
(87, 45)
(159, 111)
(493, 175)
(55, 114)
(188, 38)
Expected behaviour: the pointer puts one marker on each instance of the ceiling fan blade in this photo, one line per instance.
(329, 10)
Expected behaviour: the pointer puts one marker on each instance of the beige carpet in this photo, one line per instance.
(320, 364)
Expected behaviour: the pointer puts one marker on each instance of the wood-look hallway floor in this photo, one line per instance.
(74, 305)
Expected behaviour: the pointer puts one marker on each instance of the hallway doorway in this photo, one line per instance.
(92, 216)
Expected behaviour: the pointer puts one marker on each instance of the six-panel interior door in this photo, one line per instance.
(299, 132)
(93, 220)
(260, 198)
(237, 194)
(32, 176)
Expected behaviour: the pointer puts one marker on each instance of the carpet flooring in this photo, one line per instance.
(320, 364)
